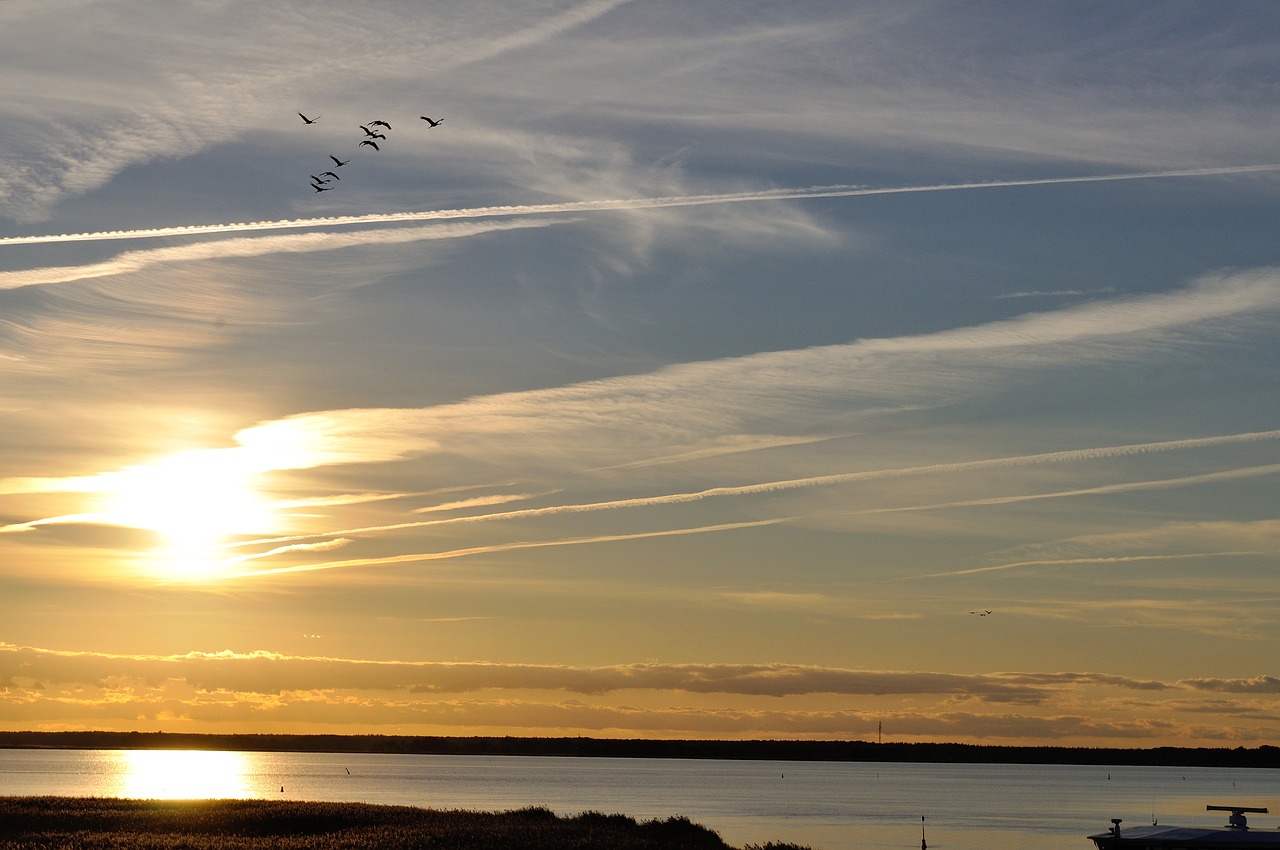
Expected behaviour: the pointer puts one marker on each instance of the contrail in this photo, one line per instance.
(509, 547)
(1101, 559)
(845, 191)
(1065, 456)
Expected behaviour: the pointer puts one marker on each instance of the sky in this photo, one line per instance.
(828, 369)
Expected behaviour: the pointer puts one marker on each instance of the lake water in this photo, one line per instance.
(826, 805)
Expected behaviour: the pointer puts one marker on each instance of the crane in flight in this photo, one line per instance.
(432, 123)
(306, 120)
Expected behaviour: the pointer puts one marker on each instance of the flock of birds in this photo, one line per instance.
(320, 182)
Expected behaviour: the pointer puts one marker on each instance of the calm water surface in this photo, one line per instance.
(827, 805)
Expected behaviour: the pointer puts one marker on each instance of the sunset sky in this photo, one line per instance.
(713, 370)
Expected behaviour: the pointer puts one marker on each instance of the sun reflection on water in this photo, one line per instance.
(183, 775)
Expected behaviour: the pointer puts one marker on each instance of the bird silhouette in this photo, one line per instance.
(316, 179)
(306, 120)
(338, 163)
(331, 174)
(371, 133)
(320, 188)
(379, 124)
(432, 123)
(371, 143)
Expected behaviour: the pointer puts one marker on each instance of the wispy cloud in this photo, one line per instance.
(622, 420)
(135, 261)
(692, 403)
(202, 77)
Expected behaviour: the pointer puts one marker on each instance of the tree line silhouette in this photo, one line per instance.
(776, 750)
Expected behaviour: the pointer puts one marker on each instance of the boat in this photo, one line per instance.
(1235, 835)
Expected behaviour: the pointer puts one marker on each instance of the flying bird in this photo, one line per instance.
(379, 124)
(306, 120)
(338, 163)
(316, 179)
(331, 174)
(432, 123)
(371, 143)
(371, 134)
(320, 188)
(981, 613)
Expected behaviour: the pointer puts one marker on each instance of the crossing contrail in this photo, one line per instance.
(791, 194)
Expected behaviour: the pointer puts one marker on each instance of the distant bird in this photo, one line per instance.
(432, 123)
(306, 120)
(331, 174)
(379, 124)
(371, 144)
(315, 179)
(320, 188)
(981, 613)
(338, 163)
(370, 133)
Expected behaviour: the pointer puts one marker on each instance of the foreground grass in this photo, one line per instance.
(37, 823)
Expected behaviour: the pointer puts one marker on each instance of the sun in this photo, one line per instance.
(194, 501)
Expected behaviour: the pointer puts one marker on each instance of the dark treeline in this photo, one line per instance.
(1263, 756)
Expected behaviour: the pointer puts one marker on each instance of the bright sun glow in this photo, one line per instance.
(183, 775)
(194, 501)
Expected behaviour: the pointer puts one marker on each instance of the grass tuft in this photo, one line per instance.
(96, 823)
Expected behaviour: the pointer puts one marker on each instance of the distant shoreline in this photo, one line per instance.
(765, 750)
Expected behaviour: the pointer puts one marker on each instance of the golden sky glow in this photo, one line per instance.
(802, 371)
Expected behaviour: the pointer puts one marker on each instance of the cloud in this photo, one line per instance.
(229, 690)
(620, 420)
(196, 77)
(253, 690)
(273, 673)
(135, 261)
(688, 409)
(1255, 685)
